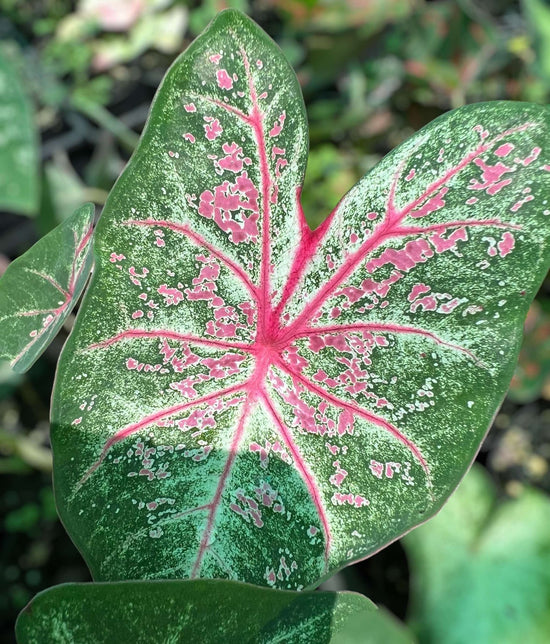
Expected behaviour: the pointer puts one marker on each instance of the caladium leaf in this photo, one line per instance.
(206, 611)
(40, 288)
(243, 397)
(480, 570)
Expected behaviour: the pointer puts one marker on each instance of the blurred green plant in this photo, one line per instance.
(480, 570)
(537, 14)
(19, 185)
(532, 376)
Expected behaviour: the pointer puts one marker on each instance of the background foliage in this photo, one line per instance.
(372, 72)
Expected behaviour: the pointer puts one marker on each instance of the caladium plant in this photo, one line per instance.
(243, 397)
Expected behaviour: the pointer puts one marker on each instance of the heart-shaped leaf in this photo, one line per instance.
(481, 569)
(245, 398)
(205, 611)
(40, 288)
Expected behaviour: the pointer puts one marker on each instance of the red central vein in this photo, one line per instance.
(215, 503)
(358, 411)
(389, 227)
(184, 229)
(314, 491)
(51, 280)
(79, 247)
(152, 418)
(256, 121)
(309, 241)
(386, 328)
(169, 335)
(84, 240)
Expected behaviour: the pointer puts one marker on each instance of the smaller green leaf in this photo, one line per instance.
(19, 183)
(481, 569)
(206, 611)
(40, 288)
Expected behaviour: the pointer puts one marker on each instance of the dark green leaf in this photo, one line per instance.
(203, 611)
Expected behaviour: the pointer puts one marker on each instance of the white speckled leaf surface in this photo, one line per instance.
(40, 289)
(245, 398)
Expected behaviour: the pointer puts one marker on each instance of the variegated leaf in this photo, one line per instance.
(245, 398)
(40, 288)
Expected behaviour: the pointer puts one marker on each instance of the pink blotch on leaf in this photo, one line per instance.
(391, 469)
(338, 477)
(521, 203)
(504, 149)
(172, 296)
(355, 500)
(428, 303)
(414, 252)
(533, 156)
(506, 244)
(224, 80)
(233, 161)
(228, 205)
(441, 244)
(376, 468)
(491, 177)
(418, 289)
(212, 129)
(278, 125)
